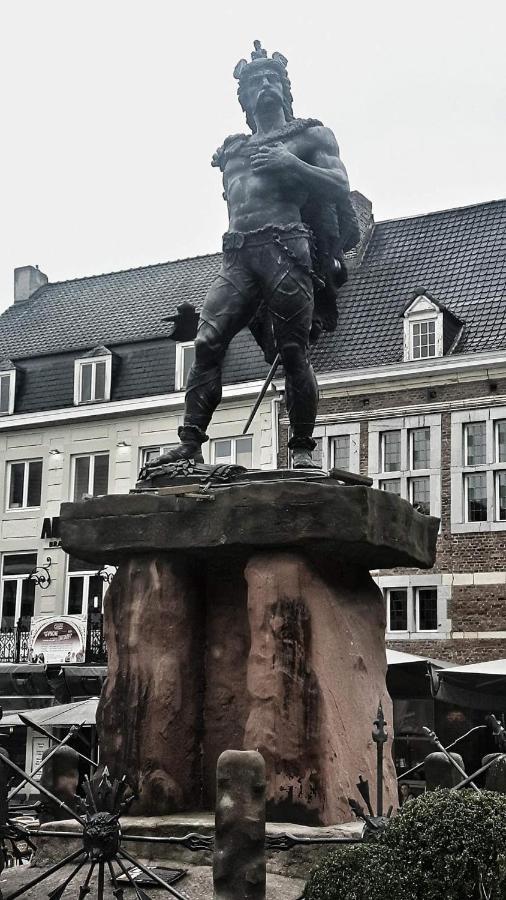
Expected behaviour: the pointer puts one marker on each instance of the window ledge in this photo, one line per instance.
(417, 635)
(477, 527)
(91, 402)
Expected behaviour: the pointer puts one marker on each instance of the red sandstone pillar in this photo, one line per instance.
(316, 672)
(149, 716)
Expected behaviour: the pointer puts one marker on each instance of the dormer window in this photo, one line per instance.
(430, 329)
(92, 377)
(7, 387)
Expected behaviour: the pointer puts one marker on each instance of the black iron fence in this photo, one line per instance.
(96, 649)
(15, 641)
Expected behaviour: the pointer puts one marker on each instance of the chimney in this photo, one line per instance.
(363, 210)
(27, 279)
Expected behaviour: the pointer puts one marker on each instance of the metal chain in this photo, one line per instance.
(319, 282)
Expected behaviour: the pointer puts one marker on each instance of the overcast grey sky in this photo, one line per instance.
(111, 110)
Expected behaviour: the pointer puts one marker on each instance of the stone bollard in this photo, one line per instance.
(495, 779)
(439, 772)
(239, 847)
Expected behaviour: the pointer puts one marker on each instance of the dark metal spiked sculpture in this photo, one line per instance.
(102, 846)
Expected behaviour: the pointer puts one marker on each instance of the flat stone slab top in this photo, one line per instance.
(371, 528)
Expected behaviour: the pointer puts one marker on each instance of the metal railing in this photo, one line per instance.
(15, 641)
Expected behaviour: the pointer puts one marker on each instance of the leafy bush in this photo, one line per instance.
(445, 844)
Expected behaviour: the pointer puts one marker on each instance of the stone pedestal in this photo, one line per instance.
(246, 618)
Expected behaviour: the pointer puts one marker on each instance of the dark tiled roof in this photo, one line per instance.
(115, 308)
(458, 255)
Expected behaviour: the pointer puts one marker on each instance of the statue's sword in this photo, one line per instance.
(263, 391)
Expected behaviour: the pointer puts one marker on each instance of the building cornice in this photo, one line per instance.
(344, 382)
(462, 367)
(116, 408)
(414, 409)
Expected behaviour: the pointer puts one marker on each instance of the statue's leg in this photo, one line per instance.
(228, 307)
(291, 307)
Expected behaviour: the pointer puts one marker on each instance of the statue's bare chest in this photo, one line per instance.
(238, 165)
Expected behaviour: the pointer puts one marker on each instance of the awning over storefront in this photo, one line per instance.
(24, 686)
(479, 685)
(79, 682)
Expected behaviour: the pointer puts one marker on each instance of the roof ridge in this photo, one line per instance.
(440, 212)
(437, 212)
(166, 262)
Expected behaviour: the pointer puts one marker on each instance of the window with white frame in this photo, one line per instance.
(416, 606)
(18, 589)
(423, 336)
(84, 590)
(405, 459)
(479, 470)
(24, 484)
(150, 453)
(185, 355)
(237, 450)
(92, 379)
(90, 475)
(7, 392)
(337, 446)
(411, 609)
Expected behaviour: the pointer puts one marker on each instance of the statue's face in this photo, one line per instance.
(264, 89)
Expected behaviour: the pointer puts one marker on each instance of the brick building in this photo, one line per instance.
(413, 392)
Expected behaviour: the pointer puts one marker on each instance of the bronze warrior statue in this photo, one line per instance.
(290, 221)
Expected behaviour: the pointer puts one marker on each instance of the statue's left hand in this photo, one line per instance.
(273, 158)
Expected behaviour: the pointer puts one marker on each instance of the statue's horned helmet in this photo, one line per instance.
(259, 60)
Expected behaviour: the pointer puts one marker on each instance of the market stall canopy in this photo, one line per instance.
(479, 685)
(409, 675)
(81, 712)
(410, 684)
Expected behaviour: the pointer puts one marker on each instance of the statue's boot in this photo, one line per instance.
(301, 449)
(192, 438)
(302, 459)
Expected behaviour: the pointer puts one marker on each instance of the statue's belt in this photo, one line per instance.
(234, 240)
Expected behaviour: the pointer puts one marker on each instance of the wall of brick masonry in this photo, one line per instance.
(457, 651)
(473, 608)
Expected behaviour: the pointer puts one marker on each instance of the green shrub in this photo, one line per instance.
(445, 844)
(354, 872)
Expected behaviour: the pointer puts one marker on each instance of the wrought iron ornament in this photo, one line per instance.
(102, 839)
(40, 575)
(374, 824)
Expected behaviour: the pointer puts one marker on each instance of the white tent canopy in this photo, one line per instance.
(495, 667)
(397, 658)
(82, 712)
